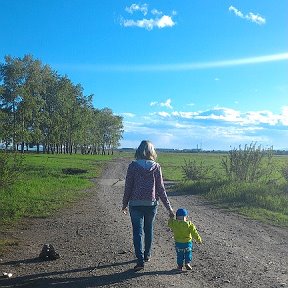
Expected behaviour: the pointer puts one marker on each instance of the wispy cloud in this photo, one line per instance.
(177, 67)
(156, 12)
(216, 128)
(135, 8)
(164, 114)
(256, 18)
(149, 24)
(158, 19)
(229, 115)
(184, 115)
(153, 103)
(166, 104)
(128, 114)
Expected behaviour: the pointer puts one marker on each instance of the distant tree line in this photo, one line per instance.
(42, 108)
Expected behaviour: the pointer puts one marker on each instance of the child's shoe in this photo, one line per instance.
(188, 266)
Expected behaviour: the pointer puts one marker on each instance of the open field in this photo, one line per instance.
(49, 182)
(267, 202)
(172, 162)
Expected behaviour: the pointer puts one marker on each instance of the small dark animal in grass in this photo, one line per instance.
(48, 253)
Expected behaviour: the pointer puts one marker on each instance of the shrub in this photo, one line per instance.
(11, 165)
(250, 164)
(195, 171)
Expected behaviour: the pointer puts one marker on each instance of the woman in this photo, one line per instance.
(143, 188)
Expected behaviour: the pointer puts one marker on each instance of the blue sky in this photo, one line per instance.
(181, 73)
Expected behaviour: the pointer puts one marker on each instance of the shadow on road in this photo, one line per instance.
(58, 278)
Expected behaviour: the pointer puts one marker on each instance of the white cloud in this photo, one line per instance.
(255, 18)
(216, 128)
(220, 113)
(250, 16)
(174, 67)
(156, 12)
(154, 103)
(186, 115)
(157, 20)
(229, 115)
(164, 114)
(164, 21)
(128, 114)
(236, 12)
(149, 24)
(261, 117)
(234, 117)
(135, 7)
(166, 104)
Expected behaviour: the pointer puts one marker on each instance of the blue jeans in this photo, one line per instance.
(142, 218)
(184, 252)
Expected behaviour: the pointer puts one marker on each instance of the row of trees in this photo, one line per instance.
(40, 107)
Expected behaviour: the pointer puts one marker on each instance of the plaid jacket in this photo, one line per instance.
(145, 184)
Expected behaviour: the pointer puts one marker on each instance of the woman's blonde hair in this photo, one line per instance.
(146, 151)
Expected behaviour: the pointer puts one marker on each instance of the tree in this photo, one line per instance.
(11, 77)
(39, 106)
(110, 127)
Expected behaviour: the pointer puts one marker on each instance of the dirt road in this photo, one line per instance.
(94, 240)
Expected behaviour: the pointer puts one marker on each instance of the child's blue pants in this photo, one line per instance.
(184, 252)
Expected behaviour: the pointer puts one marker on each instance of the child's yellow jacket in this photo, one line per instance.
(184, 231)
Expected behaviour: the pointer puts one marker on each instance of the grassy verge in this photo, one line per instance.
(48, 183)
(268, 203)
(171, 163)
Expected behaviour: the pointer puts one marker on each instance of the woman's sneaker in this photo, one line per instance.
(138, 267)
(180, 268)
(188, 266)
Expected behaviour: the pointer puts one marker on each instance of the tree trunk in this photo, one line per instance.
(22, 147)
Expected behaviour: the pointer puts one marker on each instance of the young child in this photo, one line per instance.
(184, 233)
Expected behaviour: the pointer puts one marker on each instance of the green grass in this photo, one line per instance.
(265, 202)
(171, 163)
(264, 215)
(44, 186)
